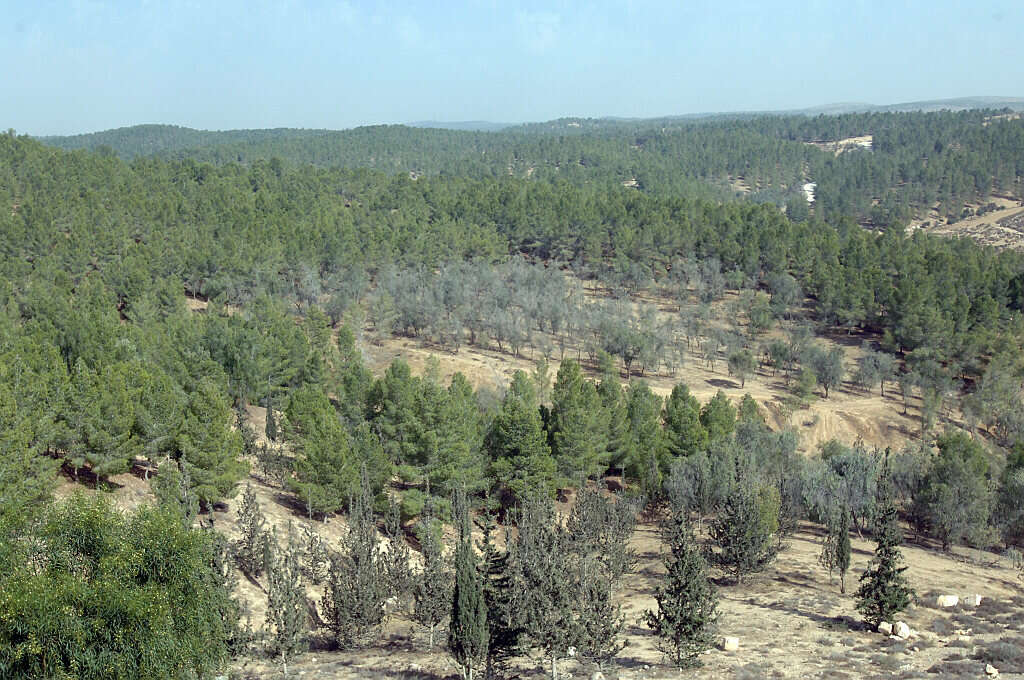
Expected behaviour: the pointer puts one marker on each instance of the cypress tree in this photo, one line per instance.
(503, 633)
(356, 583)
(468, 635)
(687, 601)
(432, 592)
(251, 545)
(835, 551)
(884, 590)
(271, 427)
(286, 602)
(744, 530)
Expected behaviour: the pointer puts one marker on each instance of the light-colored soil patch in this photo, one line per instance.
(846, 144)
(1002, 228)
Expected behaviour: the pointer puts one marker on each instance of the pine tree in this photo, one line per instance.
(687, 600)
(467, 630)
(684, 432)
(432, 594)
(251, 545)
(287, 615)
(208, 447)
(521, 461)
(884, 590)
(644, 417)
(578, 425)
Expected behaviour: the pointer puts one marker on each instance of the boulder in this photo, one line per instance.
(729, 644)
(901, 630)
(947, 600)
(885, 628)
(972, 600)
(597, 675)
(991, 670)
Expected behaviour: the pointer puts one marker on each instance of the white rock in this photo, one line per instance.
(598, 675)
(991, 670)
(885, 628)
(571, 652)
(729, 644)
(901, 630)
(947, 600)
(972, 600)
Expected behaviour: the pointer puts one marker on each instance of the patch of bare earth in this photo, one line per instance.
(1002, 228)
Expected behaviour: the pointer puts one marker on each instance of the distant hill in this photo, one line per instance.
(473, 125)
(151, 140)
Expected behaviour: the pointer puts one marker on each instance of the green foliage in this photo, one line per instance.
(684, 431)
(326, 471)
(650, 454)
(741, 365)
(954, 501)
(174, 491)
(718, 417)
(687, 600)
(357, 583)
(208, 447)
(253, 543)
(743, 530)
(468, 634)
(521, 461)
(578, 424)
(884, 590)
(835, 550)
(100, 594)
(432, 589)
(287, 610)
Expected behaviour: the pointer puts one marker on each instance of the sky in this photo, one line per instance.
(88, 65)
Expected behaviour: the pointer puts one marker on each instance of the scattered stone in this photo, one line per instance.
(901, 630)
(598, 675)
(729, 644)
(972, 600)
(963, 638)
(947, 600)
(991, 670)
(885, 628)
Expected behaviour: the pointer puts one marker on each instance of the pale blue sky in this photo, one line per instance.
(89, 65)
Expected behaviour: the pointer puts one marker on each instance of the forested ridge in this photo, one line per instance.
(300, 240)
(916, 159)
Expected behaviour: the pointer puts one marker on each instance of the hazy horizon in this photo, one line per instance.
(90, 65)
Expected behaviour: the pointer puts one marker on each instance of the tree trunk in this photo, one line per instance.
(554, 673)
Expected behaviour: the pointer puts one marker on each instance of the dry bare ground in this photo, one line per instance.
(1002, 228)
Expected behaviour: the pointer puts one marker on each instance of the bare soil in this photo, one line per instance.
(1002, 228)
